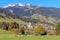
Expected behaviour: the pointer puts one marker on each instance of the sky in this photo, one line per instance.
(45, 3)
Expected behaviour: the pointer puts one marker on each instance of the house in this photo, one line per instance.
(29, 25)
(29, 28)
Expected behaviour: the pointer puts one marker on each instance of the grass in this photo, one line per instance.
(12, 20)
(7, 35)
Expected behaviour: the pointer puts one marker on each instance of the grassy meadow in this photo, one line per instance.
(8, 35)
(12, 20)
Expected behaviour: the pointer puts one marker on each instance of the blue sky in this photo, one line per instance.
(46, 3)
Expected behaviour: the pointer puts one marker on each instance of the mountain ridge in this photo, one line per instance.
(28, 10)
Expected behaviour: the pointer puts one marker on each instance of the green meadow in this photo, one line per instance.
(8, 35)
(12, 20)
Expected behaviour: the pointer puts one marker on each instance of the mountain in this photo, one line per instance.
(28, 10)
(33, 13)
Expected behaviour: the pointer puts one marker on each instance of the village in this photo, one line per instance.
(28, 28)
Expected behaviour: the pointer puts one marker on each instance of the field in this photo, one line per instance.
(7, 35)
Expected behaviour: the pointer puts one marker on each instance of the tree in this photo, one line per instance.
(22, 31)
(39, 29)
(58, 28)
